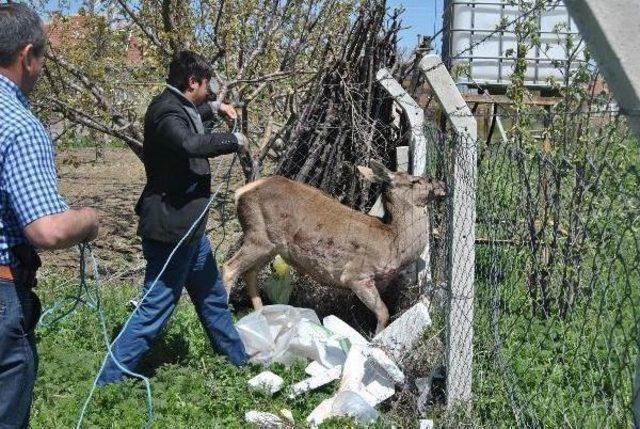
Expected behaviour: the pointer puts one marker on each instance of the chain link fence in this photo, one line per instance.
(557, 271)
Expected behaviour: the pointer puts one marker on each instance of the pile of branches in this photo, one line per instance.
(346, 118)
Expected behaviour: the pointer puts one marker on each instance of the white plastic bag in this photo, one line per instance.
(256, 336)
(268, 334)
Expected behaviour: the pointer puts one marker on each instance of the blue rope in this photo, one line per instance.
(103, 327)
(77, 300)
(102, 319)
(92, 299)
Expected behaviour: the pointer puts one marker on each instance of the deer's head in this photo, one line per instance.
(402, 187)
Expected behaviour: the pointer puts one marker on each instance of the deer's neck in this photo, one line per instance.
(409, 225)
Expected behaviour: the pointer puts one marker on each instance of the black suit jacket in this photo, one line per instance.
(178, 172)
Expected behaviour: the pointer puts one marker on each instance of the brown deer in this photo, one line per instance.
(330, 242)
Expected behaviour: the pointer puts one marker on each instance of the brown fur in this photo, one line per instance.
(328, 241)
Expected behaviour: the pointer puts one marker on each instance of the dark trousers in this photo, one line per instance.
(193, 267)
(19, 313)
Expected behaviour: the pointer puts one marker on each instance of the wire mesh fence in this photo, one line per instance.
(556, 275)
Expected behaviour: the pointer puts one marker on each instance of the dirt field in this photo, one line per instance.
(112, 184)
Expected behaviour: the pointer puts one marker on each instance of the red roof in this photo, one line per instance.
(71, 30)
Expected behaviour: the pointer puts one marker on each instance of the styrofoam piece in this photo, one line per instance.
(369, 372)
(426, 424)
(266, 382)
(315, 368)
(321, 413)
(401, 336)
(352, 404)
(334, 353)
(263, 420)
(354, 370)
(360, 359)
(319, 380)
(378, 388)
(339, 327)
(381, 359)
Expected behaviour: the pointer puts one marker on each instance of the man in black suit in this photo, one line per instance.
(176, 152)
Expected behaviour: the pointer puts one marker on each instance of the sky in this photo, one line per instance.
(420, 16)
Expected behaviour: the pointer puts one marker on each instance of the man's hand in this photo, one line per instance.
(243, 144)
(246, 162)
(228, 111)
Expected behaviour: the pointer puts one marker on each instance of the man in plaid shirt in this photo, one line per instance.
(32, 212)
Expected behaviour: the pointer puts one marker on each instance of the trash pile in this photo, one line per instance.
(367, 370)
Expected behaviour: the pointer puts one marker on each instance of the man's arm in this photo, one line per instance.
(62, 230)
(175, 134)
(32, 189)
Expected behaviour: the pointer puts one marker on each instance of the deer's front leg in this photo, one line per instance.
(365, 288)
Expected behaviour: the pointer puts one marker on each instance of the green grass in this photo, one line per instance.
(192, 386)
(575, 371)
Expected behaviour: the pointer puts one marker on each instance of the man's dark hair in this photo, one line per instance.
(187, 64)
(19, 26)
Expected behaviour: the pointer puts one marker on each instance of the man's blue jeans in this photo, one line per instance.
(192, 266)
(19, 313)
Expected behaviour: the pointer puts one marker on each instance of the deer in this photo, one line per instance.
(330, 242)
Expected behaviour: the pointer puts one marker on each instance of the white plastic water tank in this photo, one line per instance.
(470, 39)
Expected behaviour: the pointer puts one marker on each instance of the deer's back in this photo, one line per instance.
(294, 213)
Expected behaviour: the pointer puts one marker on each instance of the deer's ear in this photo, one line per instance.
(381, 173)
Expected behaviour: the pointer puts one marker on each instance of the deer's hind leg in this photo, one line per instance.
(246, 263)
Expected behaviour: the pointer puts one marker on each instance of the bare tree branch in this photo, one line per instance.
(90, 122)
(153, 37)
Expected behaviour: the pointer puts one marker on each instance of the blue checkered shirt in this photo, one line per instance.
(28, 182)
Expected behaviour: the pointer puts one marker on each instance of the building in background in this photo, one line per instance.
(72, 30)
